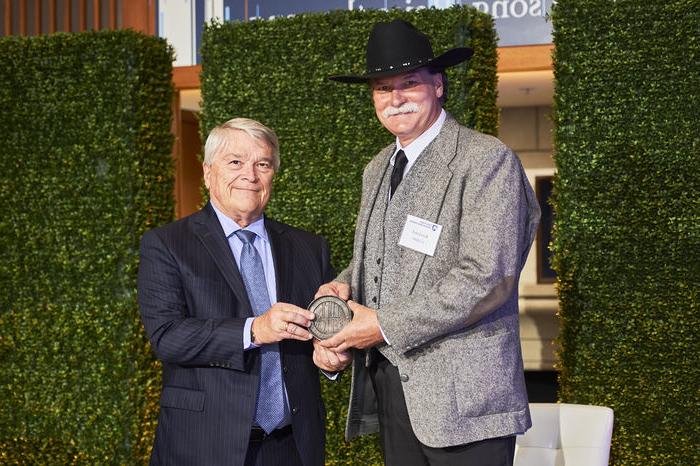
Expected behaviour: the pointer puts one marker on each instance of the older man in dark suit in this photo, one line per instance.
(219, 293)
(446, 221)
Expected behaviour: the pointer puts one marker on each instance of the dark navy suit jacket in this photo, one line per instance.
(193, 306)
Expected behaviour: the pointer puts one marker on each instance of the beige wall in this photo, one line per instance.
(528, 131)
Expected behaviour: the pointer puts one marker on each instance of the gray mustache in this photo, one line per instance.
(409, 107)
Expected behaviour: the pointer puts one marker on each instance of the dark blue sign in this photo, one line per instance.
(518, 22)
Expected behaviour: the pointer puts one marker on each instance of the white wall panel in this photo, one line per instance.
(176, 25)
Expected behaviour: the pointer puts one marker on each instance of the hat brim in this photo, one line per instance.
(450, 58)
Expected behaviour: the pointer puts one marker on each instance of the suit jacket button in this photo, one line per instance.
(376, 279)
(285, 370)
(379, 261)
(294, 410)
(374, 299)
(404, 378)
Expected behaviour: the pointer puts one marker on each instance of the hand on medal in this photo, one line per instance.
(282, 321)
(362, 332)
(339, 289)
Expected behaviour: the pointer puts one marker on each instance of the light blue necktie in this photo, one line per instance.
(270, 405)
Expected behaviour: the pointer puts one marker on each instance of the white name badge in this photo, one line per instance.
(420, 235)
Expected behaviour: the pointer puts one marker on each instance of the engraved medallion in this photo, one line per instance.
(332, 314)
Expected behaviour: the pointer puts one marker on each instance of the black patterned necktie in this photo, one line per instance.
(269, 408)
(397, 174)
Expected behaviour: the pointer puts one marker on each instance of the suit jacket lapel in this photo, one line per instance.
(422, 190)
(208, 229)
(280, 257)
(375, 174)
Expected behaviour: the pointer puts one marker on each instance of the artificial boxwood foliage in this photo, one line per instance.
(86, 169)
(275, 72)
(627, 235)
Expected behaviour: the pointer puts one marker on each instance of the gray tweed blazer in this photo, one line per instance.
(451, 319)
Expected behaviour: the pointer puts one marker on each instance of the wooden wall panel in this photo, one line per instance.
(525, 58)
(139, 15)
(96, 20)
(51, 16)
(7, 17)
(37, 16)
(22, 18)
(67, 15)
(190, 173)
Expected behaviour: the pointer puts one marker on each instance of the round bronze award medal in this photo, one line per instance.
(332, 314)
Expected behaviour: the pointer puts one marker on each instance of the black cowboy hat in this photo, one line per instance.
(398, 47)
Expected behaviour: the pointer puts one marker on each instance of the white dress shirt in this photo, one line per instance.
(416, 147)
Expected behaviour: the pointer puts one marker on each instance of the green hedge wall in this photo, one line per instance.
(275, 71)
(86, 169)
(627, 235)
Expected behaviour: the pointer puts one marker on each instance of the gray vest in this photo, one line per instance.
(374, 252)
(382, 251)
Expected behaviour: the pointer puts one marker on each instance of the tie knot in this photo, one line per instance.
(400, 163)
(401, 160)
(246, 236)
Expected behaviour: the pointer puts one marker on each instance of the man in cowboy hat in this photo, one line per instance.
(446, 221)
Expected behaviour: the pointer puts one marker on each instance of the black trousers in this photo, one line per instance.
(400, 445)
(277, 449)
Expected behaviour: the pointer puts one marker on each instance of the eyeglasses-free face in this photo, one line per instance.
(407, 104)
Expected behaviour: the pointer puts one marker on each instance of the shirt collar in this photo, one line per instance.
(230, 226)
(414, 149)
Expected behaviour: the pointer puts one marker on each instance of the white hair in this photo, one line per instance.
(256, 130)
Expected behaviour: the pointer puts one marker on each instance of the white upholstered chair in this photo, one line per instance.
(566, 435)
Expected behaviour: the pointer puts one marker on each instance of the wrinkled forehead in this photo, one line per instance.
(240, 143)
